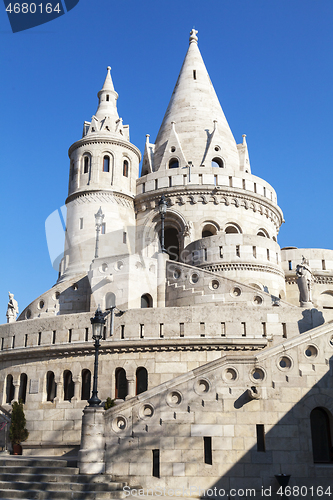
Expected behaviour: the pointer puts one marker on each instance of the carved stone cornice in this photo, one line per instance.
(180, 195)
(319, 279)
(103, 139)
(102, 196)
(232, 266)
(44, 353)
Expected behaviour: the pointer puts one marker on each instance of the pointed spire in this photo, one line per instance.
(194, 106)
(108, 84)
(107, 96)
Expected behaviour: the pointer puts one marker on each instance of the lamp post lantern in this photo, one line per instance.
(98, 223)
(162, 208)
(98, 322)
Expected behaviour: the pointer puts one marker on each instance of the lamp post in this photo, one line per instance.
(98, 322)
(162, 208)
(98, 223)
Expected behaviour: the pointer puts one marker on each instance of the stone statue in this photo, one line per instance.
(12, 309)
(188, 229)
(305, 282)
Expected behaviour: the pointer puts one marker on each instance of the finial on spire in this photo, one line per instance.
(244, 138)
(109, 68)
(193, 36)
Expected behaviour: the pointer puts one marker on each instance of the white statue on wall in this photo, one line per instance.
(12, 309)
(305, 282)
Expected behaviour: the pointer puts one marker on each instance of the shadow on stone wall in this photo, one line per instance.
(311, 319)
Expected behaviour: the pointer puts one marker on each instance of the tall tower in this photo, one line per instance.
(104, 166)
(220, 217)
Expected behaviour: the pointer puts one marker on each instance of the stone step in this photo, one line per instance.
(66, 471)
(20, 461)
(53, 478)
(60, 495)
(19, 484)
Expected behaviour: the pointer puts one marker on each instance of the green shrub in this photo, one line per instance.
(17, 431)
(109, 403)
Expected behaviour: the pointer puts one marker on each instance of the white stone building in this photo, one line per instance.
(221, 372)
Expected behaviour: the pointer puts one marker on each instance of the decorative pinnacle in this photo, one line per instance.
(244, 138)
(109, 68)
(193, 36)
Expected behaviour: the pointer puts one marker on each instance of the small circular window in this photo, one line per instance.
(285, 363)
(258, 374)
(311, 351)
(172, 149)
(257, 300)
(215, 284)
(41, 304)
(194, 278)
(236, 292)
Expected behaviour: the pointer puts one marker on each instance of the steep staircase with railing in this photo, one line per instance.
(53, 478)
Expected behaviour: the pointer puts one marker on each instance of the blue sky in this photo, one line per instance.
(270, 63)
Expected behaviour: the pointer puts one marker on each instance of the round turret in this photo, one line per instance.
(104, 166)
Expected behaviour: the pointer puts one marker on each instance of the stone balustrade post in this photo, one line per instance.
(91, 454)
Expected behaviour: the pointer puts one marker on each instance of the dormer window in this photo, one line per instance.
(106, 164)
(174, 163)
(217, 162)
(125, 168)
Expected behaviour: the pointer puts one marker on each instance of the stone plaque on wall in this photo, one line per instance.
(33, 389)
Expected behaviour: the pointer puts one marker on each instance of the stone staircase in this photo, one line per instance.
(47, 478)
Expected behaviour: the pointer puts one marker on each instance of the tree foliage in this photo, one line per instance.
(17, 431)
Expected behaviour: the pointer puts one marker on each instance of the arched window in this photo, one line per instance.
(51, 387)
(110, 300)
(141, 380)
(86, 383)
(86, 164)
(68, 386)
(107, 97)
(263, 233)
(208, 230)
(321, 436)
(125, 168)
(121, 384)
(173, 163)
(146, 301)
(10, 389)
(106, 164)
(217, 162)
(232, 228)
(23, 387)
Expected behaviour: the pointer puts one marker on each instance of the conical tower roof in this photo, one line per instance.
(193, 108)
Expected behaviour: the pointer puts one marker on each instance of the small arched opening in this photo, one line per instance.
(217, 162)
(23, 387)
(121, 384)
(263, 233)
(110, 300)
(125, 168)
(106, 163)
(68, 385)
(85, 384)
(86, 164)
(146, 301)
(321, 436)
(51, 387)
(208, 230)
(232, 228)
(141, 380)
(174, 163)
(10, 389)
